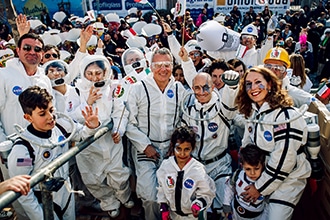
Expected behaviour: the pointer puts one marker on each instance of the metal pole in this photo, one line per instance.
(47, 202)
(8, 197)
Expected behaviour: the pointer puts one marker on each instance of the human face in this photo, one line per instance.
(216, 78)
(202, 89)
(178, 75)
(240, 70)
(256, 87)
(32, 57)
(277, 67)
(162, 67)
(50, 55)
(248, 41)
(94, 73)
(182, 152)
(42, 119)
(253, 172)
(55, 73)
(195, 56)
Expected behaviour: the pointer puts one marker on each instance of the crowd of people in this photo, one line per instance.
(196, 133)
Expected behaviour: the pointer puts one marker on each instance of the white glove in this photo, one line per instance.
(230, 78)
(295, 80)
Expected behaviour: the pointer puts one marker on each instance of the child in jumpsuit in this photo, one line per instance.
(252, 161)
(101, 164)
(29, 156)
(184, 189)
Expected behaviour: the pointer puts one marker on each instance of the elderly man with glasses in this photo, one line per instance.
(154, 106)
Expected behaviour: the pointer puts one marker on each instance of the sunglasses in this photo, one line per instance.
(54, 55)
(158, 65)
(28, 48)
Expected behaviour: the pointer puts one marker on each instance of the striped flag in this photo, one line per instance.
(141, 1)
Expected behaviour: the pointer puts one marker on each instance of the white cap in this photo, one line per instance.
(137, 27)
(6, 54)
(35, 23)
(135, 41)
(112, 17)
(91, 42)
(151, 29)
(51, 39)
(59, 16)
(250, 29)
(132, 10)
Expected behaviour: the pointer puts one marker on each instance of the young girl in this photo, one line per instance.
(184, 189)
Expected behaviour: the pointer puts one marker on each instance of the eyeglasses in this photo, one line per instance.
(275, 67)
(28, 48)
(54, 55)
(247, 37)
(195, 54)
(158, 65)
(202, 88)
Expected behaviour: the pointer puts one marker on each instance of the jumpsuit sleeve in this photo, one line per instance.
(288, 138)
(228, 106)
(174, 46)
(206, 190)
(29, 202)
(229, 192)
(74, 69)
(161, 198)
(3, 96)
(136, 136)
(189, 71)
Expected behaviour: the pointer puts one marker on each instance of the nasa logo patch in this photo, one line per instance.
(212, 127)
(249, 29)
(170, 93)
(268, 136)
(61, 138)
(189, 183)
(17, 90)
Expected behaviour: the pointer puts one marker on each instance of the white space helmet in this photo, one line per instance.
(133, 59)
(212, 36)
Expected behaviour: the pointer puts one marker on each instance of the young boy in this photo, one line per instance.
(184, 186)
(252, 160)
(29, 154)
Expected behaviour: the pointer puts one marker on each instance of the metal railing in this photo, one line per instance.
(8, 197)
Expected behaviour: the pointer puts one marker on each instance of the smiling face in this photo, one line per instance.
(182, 152)
(202, 88)
(216, 78)
(256, 87)
(42, 119)
(162, 67)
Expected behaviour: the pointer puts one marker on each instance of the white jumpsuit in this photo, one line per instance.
(19, 162)
(101, 164)
(13, 81)
(189, 184)
(243, 210)
(287, 168)
(153, 117)
(212, 137)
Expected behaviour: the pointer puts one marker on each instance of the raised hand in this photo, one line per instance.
(91, 117)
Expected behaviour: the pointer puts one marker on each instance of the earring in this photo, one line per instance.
(269, 91)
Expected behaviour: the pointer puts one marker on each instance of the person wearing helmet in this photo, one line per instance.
(249, 54)
(277, 59)
(101, 166)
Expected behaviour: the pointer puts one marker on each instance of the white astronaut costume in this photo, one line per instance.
(243, 210)
(14, 80)
(299, 96)
(212, 137)
(62, 104)
(152, 120)
(100, 164)
(195, 184)
(287, 168)
(20, 162)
